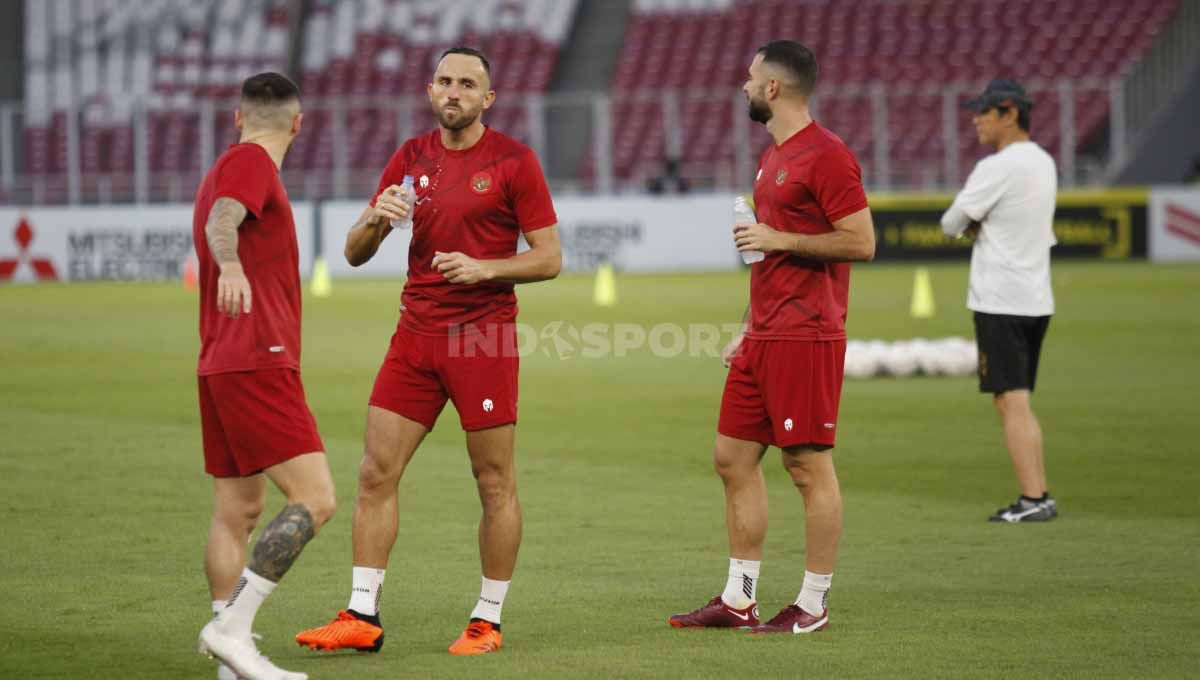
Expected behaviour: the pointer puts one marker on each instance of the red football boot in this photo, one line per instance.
(795, 620)
(717, 614)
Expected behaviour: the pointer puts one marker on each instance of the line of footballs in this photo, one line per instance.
(920, 356)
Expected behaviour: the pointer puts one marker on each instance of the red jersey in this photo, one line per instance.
(475, 201)
(803, 186)
(269, 336)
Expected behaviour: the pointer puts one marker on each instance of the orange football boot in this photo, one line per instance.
(347, 631)
(480, 637)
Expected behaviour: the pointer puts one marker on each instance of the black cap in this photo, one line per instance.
(1001, 93)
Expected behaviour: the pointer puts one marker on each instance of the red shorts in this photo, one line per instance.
(478, 373)
(784, 392)
(253, 420)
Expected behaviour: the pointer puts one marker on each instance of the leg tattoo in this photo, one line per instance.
(282, 541)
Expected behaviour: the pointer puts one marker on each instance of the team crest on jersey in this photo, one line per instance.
(781, 176)
(481, 182)
(424, 181)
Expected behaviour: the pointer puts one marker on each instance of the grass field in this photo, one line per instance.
(104, 505)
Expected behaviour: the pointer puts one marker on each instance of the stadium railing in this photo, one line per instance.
(706, 131)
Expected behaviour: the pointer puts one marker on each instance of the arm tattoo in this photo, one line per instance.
(282, 541)
(221, 229)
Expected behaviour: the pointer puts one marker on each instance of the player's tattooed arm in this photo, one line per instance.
(282, 541)
(367, 234)
(221, 232)
(224, 219)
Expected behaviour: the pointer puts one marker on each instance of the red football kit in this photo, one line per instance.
(785, 383)
(252, 408)
(476, 201)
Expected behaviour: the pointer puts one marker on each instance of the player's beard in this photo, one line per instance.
(465, 118)
(758, 110)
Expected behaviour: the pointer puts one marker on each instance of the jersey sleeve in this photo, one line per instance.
(837, 184)
(530, 195)
(983, 189)
(393, 173)
(246, 176)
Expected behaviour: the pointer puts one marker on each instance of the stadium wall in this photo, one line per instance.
(110, 243)
(634, 234)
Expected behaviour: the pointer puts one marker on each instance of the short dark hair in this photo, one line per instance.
(269, 88)
(1022, 115)
(470, 52)
(796, 59)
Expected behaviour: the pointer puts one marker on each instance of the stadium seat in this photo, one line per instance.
(180, 57)
(918, 49)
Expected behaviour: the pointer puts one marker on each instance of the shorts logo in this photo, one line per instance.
(781, 176)
(481, 182)
(759, 175)
(787, 424)
(488, 405)
(828, 426)
(424, 181)
(276, 348)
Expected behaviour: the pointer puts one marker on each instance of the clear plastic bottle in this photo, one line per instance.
(409, 195)
(742, 214)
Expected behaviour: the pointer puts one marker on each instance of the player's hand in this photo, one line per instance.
(759, 237)
(389, 205)
(731, 350)
(458, 268)
(233, 290)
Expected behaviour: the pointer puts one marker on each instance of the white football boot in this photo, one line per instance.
(241, 656)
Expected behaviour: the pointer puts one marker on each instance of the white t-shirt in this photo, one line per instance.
(1011, 193)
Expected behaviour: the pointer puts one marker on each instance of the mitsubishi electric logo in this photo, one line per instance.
(42, 267)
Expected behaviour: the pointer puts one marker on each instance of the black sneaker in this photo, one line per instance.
(1025, 510)
(1050, 503)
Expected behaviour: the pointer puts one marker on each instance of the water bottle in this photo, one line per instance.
(409, 195)
(742, 214)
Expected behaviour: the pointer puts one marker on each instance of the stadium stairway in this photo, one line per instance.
(1158, 156)
(586, 64)
(1166, 86)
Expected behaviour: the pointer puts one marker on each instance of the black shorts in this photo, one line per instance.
(1009, 349)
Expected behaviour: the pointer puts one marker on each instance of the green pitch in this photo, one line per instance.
(104, 505)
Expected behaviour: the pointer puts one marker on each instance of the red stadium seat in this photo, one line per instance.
(923, 46)
(371, 53)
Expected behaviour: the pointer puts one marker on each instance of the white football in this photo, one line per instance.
(900, 360)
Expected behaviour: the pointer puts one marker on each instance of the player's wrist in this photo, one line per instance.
(230, 267)
(795, 243)
(488, 269)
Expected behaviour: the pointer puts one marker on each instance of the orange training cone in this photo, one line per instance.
(191, 273)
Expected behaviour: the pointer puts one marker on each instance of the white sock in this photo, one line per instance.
(219, 606)
(741, 589)
(491, 600)
(814, 594)
(249, 594)
(365, 590)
